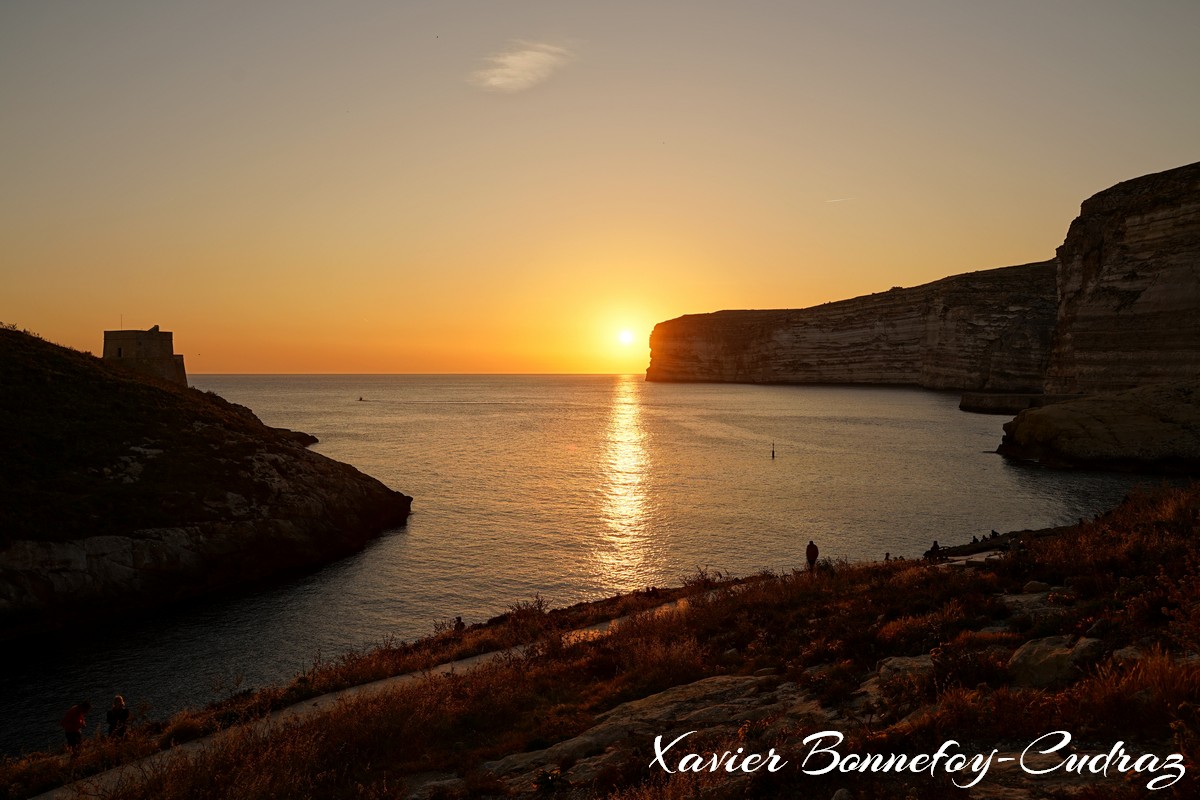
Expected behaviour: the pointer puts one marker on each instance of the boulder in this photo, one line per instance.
(1152, 427)
(905, 665)
(1052, 661)
(717, 705)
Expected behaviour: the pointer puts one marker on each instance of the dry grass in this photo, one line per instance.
(1133, 573)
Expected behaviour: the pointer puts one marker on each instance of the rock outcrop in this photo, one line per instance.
(1153, 427)
(1052, 661)
(713, 708)
(1119, 307)
(1129, 287)
(119, 492)
(987, 330)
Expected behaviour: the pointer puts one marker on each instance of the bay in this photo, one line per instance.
(569, 487)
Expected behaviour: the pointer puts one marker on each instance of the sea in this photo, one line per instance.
(566, 488)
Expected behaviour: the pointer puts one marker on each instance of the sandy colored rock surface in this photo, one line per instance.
(987, 330)
(1152, 426)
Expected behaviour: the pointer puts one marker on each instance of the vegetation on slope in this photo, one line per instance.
(1130, 578)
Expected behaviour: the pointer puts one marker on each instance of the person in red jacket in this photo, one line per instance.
(72, 725)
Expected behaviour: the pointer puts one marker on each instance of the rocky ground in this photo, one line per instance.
(118, 491)
(714, 713)
(1091, 630)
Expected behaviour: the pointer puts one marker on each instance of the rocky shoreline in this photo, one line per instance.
(125, 493)
(1118, 308)
(1153, 428)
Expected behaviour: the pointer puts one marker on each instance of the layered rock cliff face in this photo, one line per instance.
(120, 492)
(1119, 307)
(1150, 428)
(1129, 287)
(989, 330)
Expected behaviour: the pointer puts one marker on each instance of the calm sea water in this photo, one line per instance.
(571, 487)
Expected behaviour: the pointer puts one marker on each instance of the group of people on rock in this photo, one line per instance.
(75, 721)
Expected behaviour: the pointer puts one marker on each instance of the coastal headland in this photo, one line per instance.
(1114, 309)
(120, 492)
(1117, 308)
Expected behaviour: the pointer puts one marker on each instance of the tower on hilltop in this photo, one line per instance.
(150, 352)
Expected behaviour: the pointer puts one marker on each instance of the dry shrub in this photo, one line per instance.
(982, 640)
(953, 666)
(1142, 697)
(973, 658)
(910, 577)
(653, 664)
(680, 786)
(980, 715)
(1148, 529)
(184, 727)
(835, 684)
(914, 635)
(1183, 605)
(904, 693)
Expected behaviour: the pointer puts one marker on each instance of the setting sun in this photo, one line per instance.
(625, 337)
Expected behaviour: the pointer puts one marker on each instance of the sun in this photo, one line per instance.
(625, 337)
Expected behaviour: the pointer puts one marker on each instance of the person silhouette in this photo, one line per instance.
(73, 723)
(117, 718)
(811, 553)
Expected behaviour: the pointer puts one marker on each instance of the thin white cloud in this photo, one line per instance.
(521, 66)
(842, 200)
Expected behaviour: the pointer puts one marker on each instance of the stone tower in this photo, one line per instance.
(150, 352)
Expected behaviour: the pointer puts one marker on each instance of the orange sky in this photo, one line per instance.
(504, 187)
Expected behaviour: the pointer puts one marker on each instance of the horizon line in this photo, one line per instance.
(417, 374)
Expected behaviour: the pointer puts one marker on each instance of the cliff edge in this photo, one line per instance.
(982, 331)
(1116, 309)
(119, 492)
(1129, 287)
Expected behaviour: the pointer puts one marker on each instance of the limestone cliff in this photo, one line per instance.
(1149, 428)
(1129, 287)
(118, 492)
(987, 330)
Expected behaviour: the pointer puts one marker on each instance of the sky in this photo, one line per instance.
(371, 186)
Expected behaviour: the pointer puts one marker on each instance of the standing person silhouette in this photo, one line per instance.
(811, 552)
(117, 718)
(72, 725)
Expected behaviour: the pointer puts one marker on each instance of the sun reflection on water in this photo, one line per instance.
(624, 550)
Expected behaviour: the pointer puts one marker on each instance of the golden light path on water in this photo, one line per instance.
(625, 549)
